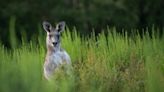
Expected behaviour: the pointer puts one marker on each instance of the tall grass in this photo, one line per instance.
(112, 63)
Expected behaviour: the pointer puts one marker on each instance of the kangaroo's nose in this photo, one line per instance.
(54, 43)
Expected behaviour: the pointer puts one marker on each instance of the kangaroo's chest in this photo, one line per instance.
(53, 61)
(56, 58)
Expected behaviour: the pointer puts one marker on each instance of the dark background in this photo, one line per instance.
(83, 14)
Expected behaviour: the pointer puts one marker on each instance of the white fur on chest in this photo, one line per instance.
(53, 61)
(59, 58)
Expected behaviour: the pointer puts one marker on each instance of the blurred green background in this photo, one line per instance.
(86, 15)
(106, 60)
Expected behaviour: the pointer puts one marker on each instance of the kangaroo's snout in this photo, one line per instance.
(54, 43)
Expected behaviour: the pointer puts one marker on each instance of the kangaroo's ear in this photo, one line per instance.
(47, 26)
(60, 26)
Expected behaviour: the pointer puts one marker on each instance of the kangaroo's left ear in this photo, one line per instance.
(60, 26)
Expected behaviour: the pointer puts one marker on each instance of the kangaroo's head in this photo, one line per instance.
(53, 33)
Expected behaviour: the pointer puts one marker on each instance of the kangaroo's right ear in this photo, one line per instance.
(47, 26)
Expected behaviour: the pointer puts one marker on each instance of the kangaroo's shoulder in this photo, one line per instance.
(62, 50)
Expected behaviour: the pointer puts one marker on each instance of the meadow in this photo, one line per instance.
(109, 62)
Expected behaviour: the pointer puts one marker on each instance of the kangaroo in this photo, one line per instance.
(56, 56)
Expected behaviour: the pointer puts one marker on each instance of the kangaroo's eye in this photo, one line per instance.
(50, 36)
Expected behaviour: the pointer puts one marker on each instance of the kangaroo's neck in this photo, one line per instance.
(51, 49)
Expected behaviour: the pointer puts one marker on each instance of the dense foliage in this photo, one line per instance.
(84, 14)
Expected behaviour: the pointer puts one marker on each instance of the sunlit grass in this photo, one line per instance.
(112, 63)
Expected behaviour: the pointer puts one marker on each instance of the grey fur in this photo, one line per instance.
(56, 56)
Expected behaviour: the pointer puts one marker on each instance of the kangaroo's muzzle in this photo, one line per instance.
(55, 43)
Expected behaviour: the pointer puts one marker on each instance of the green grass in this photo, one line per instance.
(124, 65)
